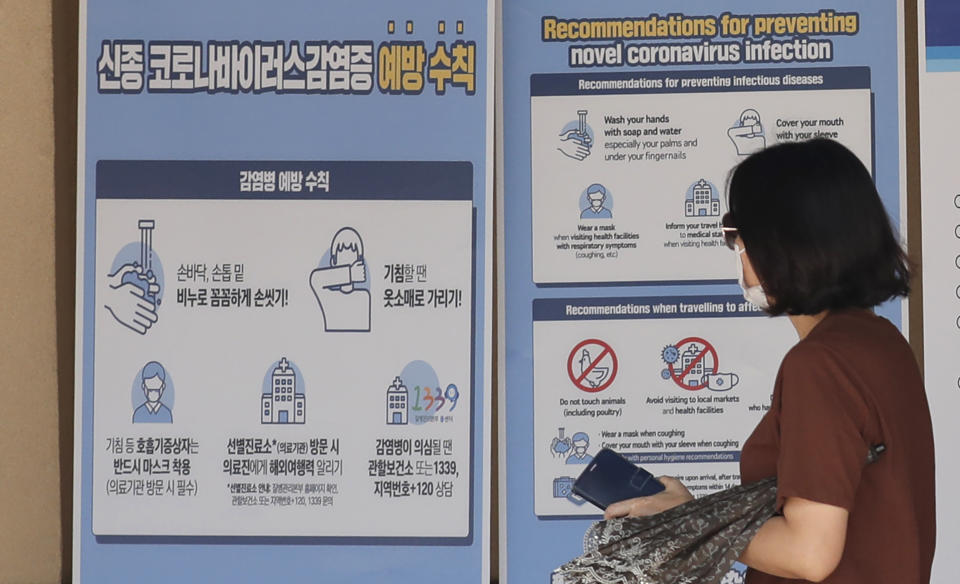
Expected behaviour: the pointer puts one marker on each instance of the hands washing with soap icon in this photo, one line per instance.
(131, 297)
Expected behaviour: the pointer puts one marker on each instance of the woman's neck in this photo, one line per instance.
(804, 323)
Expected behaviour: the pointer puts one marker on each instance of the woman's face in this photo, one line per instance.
(749, 276)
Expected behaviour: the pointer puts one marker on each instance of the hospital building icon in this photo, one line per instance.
(702, 200)
(397, 411)
(695, 374)
(283, 404)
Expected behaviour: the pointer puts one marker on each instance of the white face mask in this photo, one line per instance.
(754, 294)
(153, 389)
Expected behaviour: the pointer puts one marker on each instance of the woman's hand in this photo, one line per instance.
(674, 494)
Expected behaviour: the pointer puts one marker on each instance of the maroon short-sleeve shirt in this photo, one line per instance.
(851, 383)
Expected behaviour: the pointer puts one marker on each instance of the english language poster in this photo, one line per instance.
(623, 325)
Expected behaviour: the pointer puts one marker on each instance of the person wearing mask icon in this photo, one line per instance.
(596, 196)
(813, 242)
(579, 453)
(152, 410)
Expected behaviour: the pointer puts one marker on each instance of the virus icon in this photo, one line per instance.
(670, 354)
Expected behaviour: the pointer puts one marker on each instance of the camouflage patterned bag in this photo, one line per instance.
(693, 543)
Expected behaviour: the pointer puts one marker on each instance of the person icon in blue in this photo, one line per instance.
(345, 305)
(596, 196)
(579, 454)
(152, 410)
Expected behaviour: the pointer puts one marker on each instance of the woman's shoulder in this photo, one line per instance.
(850, 332)
(859, 348)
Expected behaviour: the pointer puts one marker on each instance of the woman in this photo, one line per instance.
(813, 242)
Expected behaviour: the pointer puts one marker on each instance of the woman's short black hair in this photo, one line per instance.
(815, 230)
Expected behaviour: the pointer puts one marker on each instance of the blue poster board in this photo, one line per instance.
(284, 285)
(622, 321)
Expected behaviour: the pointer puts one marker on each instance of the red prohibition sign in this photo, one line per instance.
(707, 350)
(584, 379)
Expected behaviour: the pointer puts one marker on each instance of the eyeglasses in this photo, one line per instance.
(729, 231)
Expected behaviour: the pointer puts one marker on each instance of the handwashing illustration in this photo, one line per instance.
(576, 138)
(135, 283)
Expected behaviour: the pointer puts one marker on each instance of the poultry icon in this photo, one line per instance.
(595, 376)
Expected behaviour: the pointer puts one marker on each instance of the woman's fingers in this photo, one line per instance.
(637, 507)
(671, 484)
(674, 494)
(618, 509)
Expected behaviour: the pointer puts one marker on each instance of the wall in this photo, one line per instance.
(37, 234)
(29, 470)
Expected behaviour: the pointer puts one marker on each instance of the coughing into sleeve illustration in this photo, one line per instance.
(345, 305)
(747, 133)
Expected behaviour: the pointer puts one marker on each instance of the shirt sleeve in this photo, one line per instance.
(822, 419)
